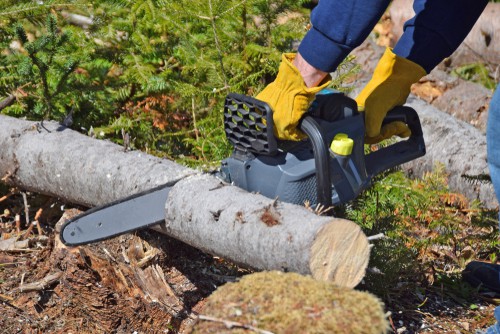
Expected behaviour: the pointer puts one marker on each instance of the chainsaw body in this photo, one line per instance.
(309, 171)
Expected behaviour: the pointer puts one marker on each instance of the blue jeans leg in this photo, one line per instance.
(493, 146)
(493, 140)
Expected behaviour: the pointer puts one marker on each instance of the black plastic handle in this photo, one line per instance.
(402, 151)
(315, 134)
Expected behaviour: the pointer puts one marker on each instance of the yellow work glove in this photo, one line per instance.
(289, 98)
(389, 87)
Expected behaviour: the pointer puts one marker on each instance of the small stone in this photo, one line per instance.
(401, 330)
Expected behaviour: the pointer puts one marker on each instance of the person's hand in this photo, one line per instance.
(289, 98)
(389, 87)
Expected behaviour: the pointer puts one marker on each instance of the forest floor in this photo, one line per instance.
(150, 283)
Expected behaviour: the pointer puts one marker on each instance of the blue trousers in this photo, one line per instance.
(434, 33)
(493, 141)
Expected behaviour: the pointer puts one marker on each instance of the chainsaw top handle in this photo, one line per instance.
(321, 159)
(248, 124)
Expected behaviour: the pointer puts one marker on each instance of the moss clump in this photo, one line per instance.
(291, 303)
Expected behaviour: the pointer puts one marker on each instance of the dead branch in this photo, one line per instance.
(12, 244)
(41, 284)
(232, 324)
(9, 100)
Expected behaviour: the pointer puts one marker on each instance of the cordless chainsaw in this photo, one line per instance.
(328, 168)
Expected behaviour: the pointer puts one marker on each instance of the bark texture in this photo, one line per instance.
(80, 169)
(201, 211)
(459, 146)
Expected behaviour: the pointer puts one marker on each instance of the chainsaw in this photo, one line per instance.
(328, 168)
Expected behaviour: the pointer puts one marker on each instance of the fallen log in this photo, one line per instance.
(82, 170)
(266, 234)
(459, 146)
(223, 220)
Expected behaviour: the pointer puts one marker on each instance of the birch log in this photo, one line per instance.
(80, 169)
(201, 211)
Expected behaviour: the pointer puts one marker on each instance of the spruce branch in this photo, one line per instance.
(217, 44)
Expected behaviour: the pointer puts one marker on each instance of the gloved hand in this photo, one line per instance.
(289, 98)
(389, 87)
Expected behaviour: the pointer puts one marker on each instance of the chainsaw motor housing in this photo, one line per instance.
(309, 171)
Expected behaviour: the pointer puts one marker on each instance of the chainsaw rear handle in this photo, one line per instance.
(401, 152)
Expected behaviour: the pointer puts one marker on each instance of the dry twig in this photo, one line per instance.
(18, 223)
(26, 208)
(376, 237)
(3, 198)
(37, 217)
(231, 324)
(41, 284)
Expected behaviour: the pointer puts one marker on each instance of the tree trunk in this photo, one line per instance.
(263, 233)
(224, 220)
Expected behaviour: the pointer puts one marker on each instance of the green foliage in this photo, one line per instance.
(192, 52)
(47, 70)
(427, 229)
(476, 72)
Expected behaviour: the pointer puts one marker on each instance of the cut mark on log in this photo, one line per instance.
(332, 257)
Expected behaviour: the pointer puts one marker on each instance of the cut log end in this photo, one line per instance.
(340, 253)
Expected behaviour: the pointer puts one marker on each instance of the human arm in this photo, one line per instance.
(337, 28)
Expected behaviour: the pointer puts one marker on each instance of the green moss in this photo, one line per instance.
(291, 303)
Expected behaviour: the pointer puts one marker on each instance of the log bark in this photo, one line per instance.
(223, 220)
(82, 170)
(263, 233)
(459, 146)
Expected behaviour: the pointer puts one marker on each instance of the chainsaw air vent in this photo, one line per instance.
(248, 124)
